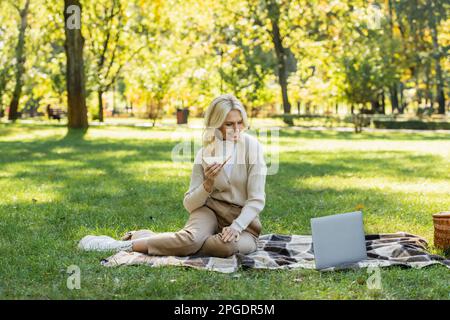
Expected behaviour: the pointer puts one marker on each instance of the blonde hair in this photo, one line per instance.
(216, 114)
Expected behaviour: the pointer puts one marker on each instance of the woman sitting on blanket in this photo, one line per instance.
(224, 198)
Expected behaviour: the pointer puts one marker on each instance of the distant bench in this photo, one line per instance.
(55, 113)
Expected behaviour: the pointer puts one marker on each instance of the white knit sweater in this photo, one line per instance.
(245, 186)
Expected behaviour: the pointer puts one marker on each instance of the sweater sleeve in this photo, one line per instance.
(196, 196)
(256, 196)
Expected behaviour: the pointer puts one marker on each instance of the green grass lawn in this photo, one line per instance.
(57, 187)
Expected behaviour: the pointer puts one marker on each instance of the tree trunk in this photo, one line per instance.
(100, 105)
(394, 97)
(437, 57)
(280, 51)
(373, 106)
(20, 62)
(75, 77)
(383, 102)
(402, 99)
(428, 92)
(393, 87)
(3, 84)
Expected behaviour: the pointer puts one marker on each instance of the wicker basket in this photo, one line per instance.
(442, 230)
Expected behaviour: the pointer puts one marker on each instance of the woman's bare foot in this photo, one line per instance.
(145, 233)
(132, 235)
(127, 236)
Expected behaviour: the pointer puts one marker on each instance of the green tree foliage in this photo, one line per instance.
(379, 56)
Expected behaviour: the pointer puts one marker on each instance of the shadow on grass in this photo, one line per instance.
(75, 134)
(94, 185)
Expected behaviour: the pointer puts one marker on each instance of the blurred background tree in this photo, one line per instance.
(150, 58)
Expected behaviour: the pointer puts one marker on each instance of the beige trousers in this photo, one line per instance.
(200, 235)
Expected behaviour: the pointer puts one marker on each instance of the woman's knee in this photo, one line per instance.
(214, 246)
(226, 249)
(193, 240)
(180, 243)
(201, 224)
(247, 243)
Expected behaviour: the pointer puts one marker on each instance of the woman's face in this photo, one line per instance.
(232, 126)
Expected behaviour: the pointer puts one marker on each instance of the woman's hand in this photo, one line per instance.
(229, 234)
(211, 171)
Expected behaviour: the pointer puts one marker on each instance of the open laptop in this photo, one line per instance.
(338, 239)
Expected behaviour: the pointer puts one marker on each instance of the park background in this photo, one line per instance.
(358, 89)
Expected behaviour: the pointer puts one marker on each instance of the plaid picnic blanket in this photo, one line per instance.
(277, 251)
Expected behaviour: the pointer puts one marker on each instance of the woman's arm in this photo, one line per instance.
(256, 196)
(197, 195)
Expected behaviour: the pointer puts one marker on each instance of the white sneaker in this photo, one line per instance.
(103, 243)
